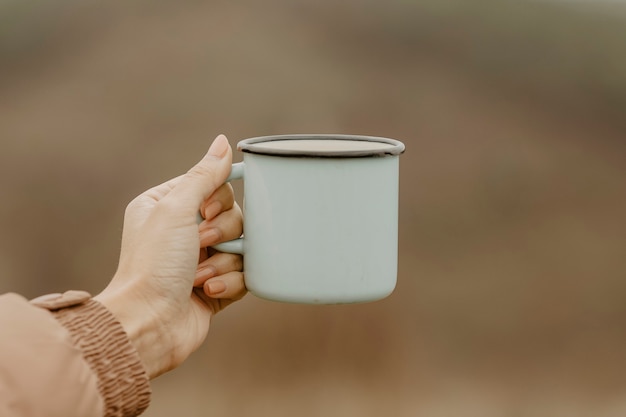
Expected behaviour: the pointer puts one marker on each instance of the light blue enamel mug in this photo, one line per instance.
(320, 217)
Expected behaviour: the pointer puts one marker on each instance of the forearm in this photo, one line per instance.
(122, 380)
(72, 360)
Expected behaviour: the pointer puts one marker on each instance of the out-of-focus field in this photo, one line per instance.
(511, 299)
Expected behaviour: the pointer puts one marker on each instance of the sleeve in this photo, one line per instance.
(66, 355)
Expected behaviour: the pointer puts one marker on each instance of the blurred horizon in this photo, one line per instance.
(511, 288)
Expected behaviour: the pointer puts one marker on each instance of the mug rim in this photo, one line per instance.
(251, 145)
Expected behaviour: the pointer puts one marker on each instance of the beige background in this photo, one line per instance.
(511, 298)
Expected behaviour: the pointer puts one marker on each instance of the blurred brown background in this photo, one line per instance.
(511, 299)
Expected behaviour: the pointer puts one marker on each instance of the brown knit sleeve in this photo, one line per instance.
(123, 382)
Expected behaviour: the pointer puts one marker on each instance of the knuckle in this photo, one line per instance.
(134, 205)
(130, 207)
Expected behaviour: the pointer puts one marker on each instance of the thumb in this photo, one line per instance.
(204, 178)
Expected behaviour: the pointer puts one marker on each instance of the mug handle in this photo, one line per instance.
(236, 245)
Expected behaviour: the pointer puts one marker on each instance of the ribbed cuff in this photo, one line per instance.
(123, 382)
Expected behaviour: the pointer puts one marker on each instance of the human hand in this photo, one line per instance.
(169, 284)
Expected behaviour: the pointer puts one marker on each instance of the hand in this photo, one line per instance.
(168, 286)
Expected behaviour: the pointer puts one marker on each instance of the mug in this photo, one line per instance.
(320, 217)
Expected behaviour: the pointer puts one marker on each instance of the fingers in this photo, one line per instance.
(221, 200)
(216, 265)
(226, 226)
(229, 286)
(203, 179)
(220, 277)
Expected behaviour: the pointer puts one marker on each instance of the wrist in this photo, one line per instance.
(142, 330)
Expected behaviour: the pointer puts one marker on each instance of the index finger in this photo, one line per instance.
(220, 201)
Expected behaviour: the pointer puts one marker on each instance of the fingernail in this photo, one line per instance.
(210, 236)
(219, 147)
(213, 210)
(215, 287)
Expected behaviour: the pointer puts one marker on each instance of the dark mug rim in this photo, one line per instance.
(253, 145)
